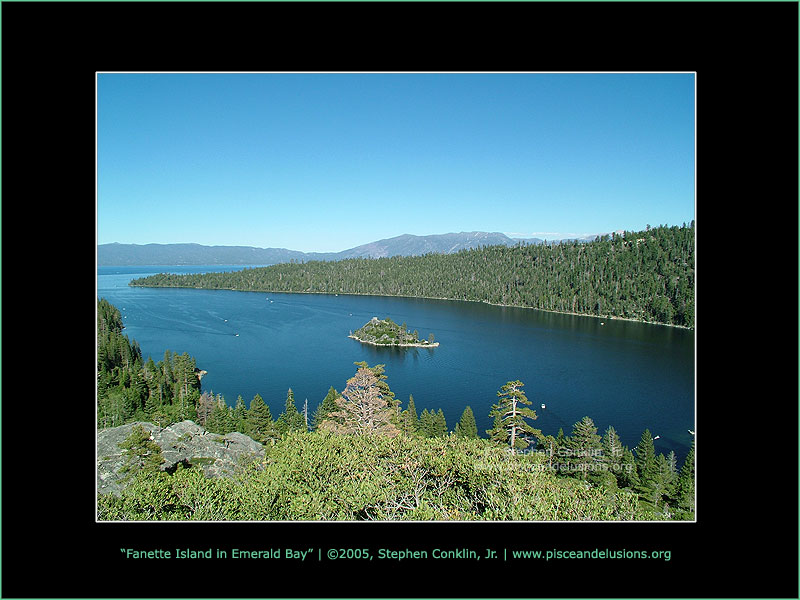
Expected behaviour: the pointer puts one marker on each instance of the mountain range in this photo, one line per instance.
(116, 254)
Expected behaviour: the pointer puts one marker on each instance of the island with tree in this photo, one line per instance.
(388, 333)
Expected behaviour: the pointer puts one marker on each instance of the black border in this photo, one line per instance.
(745, 56)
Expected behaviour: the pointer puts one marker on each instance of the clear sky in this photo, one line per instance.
(328, 161)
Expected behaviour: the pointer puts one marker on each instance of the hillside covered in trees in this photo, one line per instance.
(645, 276)
(130, 388)
(363, 455)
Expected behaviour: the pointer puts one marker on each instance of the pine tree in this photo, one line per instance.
(379, 371)
(646, 461)
(240, 416)
(138, 388)
(562, 442)
(259, 421)
(221, 419)
(362, 410)
(628, 476)
(510, 413)
(658, 484)
(467, 427)
(325, 408)
(561, 439)
(150, 375)
(290, 419)
(186, 387)
(612, 447)
(113, 407)
(439, 424)
(227, 420)
(685, 485)
(166, 365)
(497, 433)
(671, 473)
(613, 453)
(151, 405)
(426, 426)
(128, 405)
(410, 421)
(586, 450)
(205, 406)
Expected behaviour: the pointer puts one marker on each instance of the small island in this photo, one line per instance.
(388, 333)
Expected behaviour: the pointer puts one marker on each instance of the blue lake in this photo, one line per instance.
(632, 376)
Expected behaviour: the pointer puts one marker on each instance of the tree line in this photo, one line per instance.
(645, 275)
(365, 459)
(130, 388)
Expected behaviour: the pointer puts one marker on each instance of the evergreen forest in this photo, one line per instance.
(130, 388)
(362, 454)
(645, 276)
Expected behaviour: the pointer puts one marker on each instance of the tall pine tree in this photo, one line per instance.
(362, 410)
(326, 407)
(510, 413)
(409, 419)
(259, 421)
(290, 419)
(685, 486)
(646, 461)
(240, 416)
(466, 426)
(586, 450)
(439, 424)
(426, 425)
(221, 418)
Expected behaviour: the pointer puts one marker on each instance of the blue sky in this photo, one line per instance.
(328, 161)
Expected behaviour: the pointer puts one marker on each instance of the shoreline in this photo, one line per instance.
(433, 345)
(558, 312)
(574, 314)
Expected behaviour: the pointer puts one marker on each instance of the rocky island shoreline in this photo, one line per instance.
(386, 332)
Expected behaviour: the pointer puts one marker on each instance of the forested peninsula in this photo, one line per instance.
(644, 276)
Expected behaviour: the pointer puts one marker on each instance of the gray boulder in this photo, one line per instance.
(186, 442)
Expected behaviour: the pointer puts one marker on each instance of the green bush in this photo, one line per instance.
(324, 476)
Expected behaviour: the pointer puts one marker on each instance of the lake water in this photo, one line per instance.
(629, 375)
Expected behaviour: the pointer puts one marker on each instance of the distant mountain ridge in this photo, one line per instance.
(191, 254)
(402, 245)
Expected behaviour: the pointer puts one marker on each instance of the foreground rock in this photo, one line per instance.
(186, 442)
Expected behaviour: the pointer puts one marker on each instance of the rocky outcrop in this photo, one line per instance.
(186, 442)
